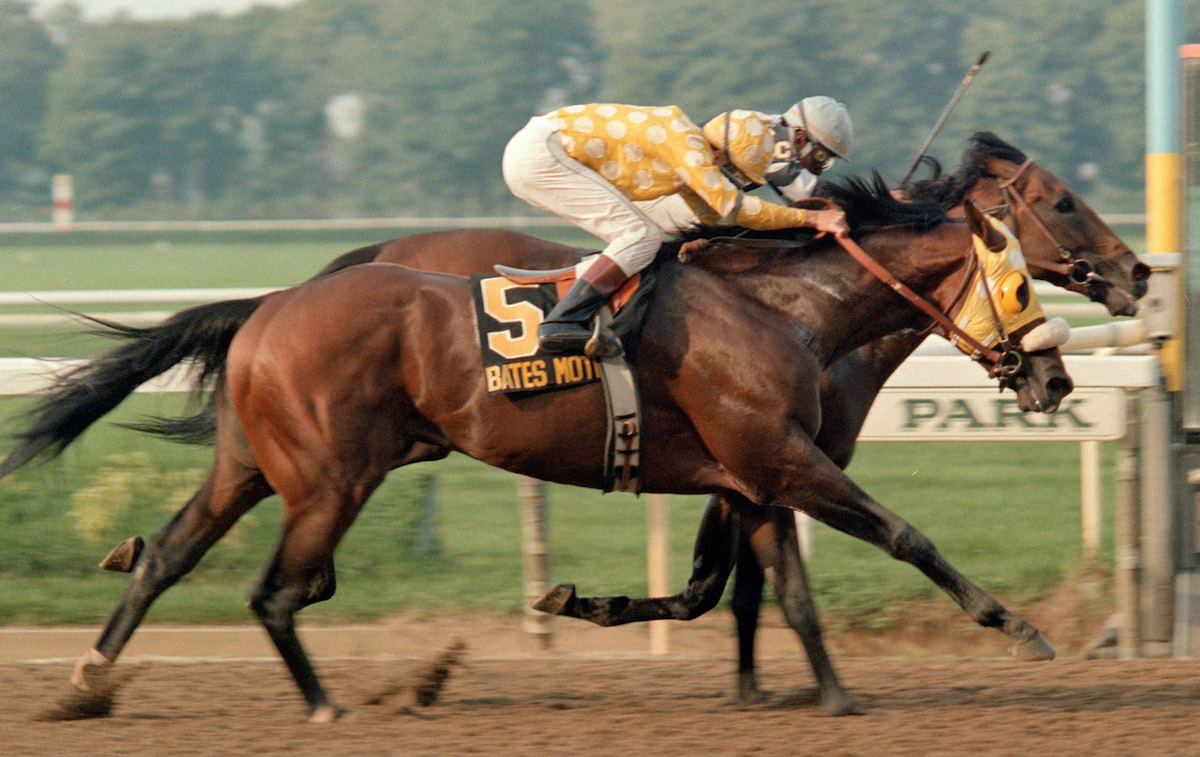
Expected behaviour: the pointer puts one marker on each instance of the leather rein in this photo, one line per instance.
(1005, 362)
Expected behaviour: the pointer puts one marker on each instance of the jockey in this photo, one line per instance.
(631, 175)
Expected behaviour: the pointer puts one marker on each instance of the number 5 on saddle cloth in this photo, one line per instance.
(508, 309)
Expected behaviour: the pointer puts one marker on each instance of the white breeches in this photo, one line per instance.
(538, 171)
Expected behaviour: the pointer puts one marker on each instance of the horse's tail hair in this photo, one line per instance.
(82, 395)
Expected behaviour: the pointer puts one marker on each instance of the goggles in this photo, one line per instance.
(822, 155)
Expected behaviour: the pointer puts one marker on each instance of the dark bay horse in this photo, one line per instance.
(1064, 242)
(327, 386)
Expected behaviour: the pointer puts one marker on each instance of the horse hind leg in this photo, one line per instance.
(712, 562)
(300, 573)
(227, 493)
(795, 599)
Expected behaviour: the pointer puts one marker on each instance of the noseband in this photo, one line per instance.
(1078, 271)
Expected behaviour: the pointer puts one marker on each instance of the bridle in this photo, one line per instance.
(1006, 361)
(1078, 271)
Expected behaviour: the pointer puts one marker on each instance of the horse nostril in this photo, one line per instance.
(1060, 386)
(1140, 272)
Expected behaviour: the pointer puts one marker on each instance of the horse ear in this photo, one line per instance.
(1001, 169)
(982, 228)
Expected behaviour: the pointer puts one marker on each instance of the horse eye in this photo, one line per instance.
(1065, 205)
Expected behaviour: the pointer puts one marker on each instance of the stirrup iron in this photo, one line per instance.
(603, 343)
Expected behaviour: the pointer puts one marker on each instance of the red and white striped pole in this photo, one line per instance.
(62, 199)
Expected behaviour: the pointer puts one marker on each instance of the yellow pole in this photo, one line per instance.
(1165, 234)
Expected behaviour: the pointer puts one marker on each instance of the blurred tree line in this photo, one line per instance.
(396, 107)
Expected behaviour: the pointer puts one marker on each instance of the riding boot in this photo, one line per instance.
(566, 328)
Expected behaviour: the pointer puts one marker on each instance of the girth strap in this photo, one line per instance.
(622, 448)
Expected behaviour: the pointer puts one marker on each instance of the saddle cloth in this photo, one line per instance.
(508, 310)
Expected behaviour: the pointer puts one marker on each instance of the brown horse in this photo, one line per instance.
(1064, 242)
(329, 385)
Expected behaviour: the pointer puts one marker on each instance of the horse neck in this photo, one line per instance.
(845, 307)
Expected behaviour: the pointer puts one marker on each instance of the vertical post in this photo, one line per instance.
(658, 565)
(1091, 504)
(1129, 538)
(804, 535)
(535, 554)
(1190, 280)
(1158, 491)
(427, 544)
(62, 202)
(1164, 162)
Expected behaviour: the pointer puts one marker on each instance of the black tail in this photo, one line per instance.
(84, 394)
(201, 427)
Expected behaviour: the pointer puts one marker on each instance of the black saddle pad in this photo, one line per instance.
(508, 315)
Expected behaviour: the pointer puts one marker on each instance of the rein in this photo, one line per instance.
(1001, 362)
(949, 328)
(1005, 362)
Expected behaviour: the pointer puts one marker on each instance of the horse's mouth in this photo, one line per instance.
(1044, 398)
(1120, 302)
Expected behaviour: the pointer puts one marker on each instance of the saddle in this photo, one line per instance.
(563, 278)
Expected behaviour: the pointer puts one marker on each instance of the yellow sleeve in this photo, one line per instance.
(732, 206)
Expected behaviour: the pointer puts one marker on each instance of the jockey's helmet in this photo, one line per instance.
(825, 121)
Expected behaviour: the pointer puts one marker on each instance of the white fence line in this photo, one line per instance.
(337, 224)
(60, 298)
(297, 224)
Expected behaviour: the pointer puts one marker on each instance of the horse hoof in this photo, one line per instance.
(123, 556)
(325, 713)
(558, 601)
(748, 692)
(1036, 649)
(841, 704)
(748, 697)
(91, 696)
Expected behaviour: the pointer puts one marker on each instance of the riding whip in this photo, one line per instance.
(966, 82)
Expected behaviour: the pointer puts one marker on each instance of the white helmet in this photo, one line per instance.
(824, 120)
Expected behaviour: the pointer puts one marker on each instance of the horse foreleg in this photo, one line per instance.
(795, 598)
(827, 494)
(712, 561)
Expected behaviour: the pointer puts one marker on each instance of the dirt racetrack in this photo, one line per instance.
(599, 692)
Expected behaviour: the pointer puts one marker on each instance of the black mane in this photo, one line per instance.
(867, 203)
(950, 190)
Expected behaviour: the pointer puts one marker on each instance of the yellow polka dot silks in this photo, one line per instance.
(977, 317)
(748, 139)
(649, 152)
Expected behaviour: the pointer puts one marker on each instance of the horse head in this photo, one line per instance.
(1064, 241)
(1001, 309)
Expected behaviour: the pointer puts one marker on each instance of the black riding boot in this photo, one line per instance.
(567, 327)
